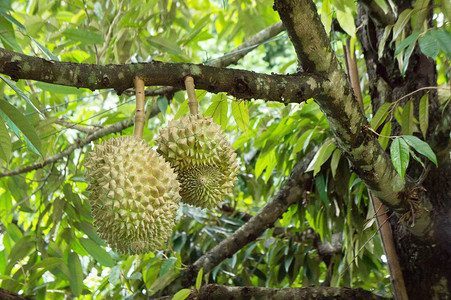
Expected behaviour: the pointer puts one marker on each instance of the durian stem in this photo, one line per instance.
(192, 100)
(140, 115)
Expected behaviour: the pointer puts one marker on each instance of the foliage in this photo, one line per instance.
(50, 248)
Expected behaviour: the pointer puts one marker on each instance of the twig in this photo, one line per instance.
(70, 125)
(140, 115)
(192, 100)
(388, 245)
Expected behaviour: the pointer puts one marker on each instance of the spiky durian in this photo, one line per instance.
(134, 195)
(201, 156)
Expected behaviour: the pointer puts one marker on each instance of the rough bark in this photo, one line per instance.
(424, 263)
(239, 83)
(350, 127)
(220, 292)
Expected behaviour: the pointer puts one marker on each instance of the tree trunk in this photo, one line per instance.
(425, 263)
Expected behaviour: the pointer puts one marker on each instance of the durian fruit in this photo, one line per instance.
(204, 160)
(134, 195)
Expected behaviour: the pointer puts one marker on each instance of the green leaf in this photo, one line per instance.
(20, 250)
(182, 294)
(429, 45)
(443, 38)
(326, 15)
(162, 103)
(380, 115)
(114, 275)
(334, 162)
(21, 94)
(21, 126)
(7, 36)
(241, 114)
(407, 42)
(407, 118)
(5, 142)
(421, 147)
(167, 265)
(424, 114)
(89, 230)
(386, 131)
(163, 281)
(97, 252)
(399, 152)
(183, 109)
(59, 89)
(323, 155)
(76, 274)
(403, 19)
(218, 110)
(164, 44)
(346, 20)
(14, 21)
(380, 50)
(303, 140)
(49, 263)
(84, 36)
(382, 4)
(44, 50)
(199, 278)
(421, 12)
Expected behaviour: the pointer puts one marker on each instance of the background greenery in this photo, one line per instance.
(49, 246)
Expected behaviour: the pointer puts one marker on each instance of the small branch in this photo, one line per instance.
(70, 125)
(221, 292)
(293, 191)
(250, 44)
(140, 115)
(388, 245)
(192, 100)
(239, 83)
(353, 73)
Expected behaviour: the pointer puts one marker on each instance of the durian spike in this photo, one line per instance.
(140, 115)
(192, 100)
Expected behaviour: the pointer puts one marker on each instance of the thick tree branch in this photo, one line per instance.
(350, 127)
(239, 83)
(221, 292)
(7, 295)
(297, 183)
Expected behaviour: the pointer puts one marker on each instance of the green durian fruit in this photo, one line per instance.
(134, 195)
(204, 160)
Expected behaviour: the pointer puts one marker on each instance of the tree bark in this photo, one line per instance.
(239, 83)
(221, 292)
(424, 263)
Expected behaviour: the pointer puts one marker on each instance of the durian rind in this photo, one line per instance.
(204, 160)
(134, 195)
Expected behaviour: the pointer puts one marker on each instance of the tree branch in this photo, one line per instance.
(70, 125)
(220, 292)
(350, 127)
(297, 183)
(239, 83)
